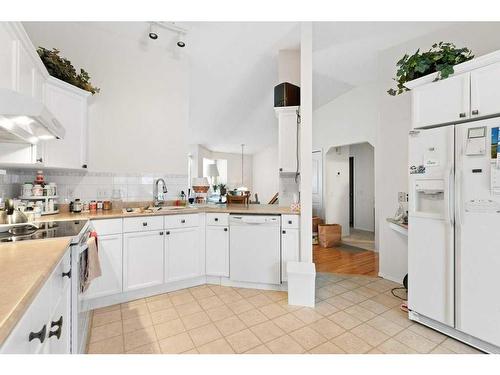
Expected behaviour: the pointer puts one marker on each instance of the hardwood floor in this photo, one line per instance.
(346, 262)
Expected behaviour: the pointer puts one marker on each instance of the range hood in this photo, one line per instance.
(24, 119)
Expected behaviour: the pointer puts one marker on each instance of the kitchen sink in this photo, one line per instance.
(152, 209)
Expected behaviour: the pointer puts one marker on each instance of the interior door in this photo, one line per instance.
(477, 225)
(430, 235)
(317, 183)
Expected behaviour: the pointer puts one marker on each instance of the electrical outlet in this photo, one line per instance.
(402, 197)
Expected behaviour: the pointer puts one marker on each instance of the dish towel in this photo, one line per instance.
(93, 266)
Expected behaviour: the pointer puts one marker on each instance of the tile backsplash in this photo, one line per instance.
(95, 185)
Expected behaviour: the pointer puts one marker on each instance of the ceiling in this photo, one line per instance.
(345, 53)
(233, 70)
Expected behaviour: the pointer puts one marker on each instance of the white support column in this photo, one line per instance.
(306, 142)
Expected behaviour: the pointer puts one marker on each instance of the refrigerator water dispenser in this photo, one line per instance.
(429, 197)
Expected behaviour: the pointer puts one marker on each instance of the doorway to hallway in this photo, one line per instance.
(349, 201)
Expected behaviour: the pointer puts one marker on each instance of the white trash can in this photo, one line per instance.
(301, 283)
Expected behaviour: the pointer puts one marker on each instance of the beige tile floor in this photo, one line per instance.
(353, 314)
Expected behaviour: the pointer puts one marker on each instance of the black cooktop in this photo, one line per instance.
(41, 230)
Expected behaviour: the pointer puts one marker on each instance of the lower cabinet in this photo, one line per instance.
(142, 259)
(45, 327)
(217, 251)
(183, 254)
(289, 249)
(59, 329)
(110, 258)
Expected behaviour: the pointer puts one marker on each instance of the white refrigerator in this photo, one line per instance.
(454, 231)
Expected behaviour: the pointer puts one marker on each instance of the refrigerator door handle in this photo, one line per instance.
(458, 197)
(451, 196)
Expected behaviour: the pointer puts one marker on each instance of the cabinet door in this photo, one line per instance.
(24, 70)
(7, 46)
(142, 260)
(287, 138)
(182, 254)
(58, 336)
(110, 257)
(442, 101)
(71, 111)
(289, 249)
(217, 251)
(484, 90)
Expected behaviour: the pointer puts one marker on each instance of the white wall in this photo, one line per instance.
(364, 186)
(234, 169)
(199, 152)
(265, 173)
(289, 66)
(350, 118)
(138, 121)
(337, 187)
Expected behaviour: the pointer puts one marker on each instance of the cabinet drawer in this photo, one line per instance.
(181, 221)
(137, 224)
(218, 219)
(290, 221)
(108, 226)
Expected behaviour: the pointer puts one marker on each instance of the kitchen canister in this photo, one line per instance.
(27, 189)
(37, 190)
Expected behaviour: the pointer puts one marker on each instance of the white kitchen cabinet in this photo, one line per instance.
(6, 57)
(59, 327)
(440, 102)
(287, 139)
(69, 106)
(217, 251)
(289, 249)
(183, 254)
(484, 91)
(142, 259)
(32, 334)
(111, 260)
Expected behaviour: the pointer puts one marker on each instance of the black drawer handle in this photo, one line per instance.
(161, 233)
(225, 229)
(216, 219)
(144, 224)
(289, 221)
(57, 332)
(40, 335)
(167, 233)
(284, 232)
(67, 274)
(183, 221)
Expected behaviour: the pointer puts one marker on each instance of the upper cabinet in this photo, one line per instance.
(472, 92)
(287, 139)
(69, 106)
(22, 70)
(484, 90)
(442, 101)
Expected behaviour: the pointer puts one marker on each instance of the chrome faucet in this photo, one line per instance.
(156, 198)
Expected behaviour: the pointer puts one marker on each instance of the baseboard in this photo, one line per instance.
(390, 278)
(454, 333)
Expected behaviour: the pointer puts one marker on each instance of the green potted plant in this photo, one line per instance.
(61, 68)
(441, 58)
